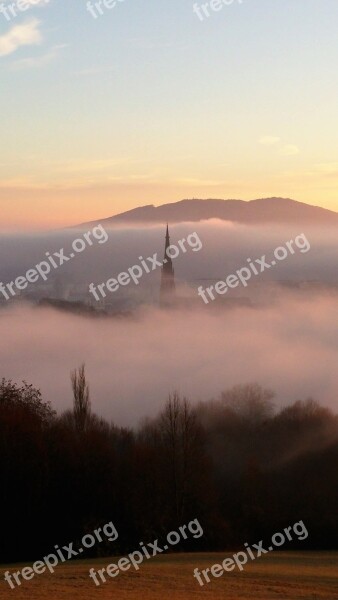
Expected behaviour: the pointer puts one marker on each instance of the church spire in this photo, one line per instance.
(167, 238)
(167, 293)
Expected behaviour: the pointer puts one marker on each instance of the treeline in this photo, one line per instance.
(244, 469)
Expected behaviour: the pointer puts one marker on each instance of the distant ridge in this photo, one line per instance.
(262, 211)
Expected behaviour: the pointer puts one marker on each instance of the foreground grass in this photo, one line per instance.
(282, 576)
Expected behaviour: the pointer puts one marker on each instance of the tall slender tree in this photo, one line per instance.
(82, 405)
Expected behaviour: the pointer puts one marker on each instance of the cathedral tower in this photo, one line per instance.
(167, 293)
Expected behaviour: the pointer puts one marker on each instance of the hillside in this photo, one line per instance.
(262, 211)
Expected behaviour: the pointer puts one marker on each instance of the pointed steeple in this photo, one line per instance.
(167, 293)
(167, 243)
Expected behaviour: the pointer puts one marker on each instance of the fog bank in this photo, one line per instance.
(132, 364)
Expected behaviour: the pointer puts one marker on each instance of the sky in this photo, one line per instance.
(148, 104)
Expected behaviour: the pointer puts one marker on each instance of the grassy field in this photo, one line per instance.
(282, 576)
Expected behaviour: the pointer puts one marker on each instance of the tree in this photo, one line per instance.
(181, 437)
(251, 402)
(82, 405)
(26, 399)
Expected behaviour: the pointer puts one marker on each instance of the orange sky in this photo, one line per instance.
(149, 105)
(44, 207)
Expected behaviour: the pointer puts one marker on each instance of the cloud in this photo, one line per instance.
(286, 150)
(290, 150)
(38, 61)
(144, 43)
(37, 2)
(329, 169)
(26, 34)
(269, 140)
(96, 70)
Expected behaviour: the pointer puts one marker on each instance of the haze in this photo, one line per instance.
(132, 364)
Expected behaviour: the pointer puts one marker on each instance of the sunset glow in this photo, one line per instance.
(166, 108)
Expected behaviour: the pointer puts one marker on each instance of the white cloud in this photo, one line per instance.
(38, 61)
(269, 140)
(285, 150)
(26, 34)
(330, 168)
(37, 2)
(290, 150)
(96, 70)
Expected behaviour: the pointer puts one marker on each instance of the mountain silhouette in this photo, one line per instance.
(261, 211)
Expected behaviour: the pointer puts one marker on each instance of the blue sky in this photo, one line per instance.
(148, 104)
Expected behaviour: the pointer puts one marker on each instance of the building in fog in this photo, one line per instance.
(168, 288)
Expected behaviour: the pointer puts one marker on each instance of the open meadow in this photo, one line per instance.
(282, 576)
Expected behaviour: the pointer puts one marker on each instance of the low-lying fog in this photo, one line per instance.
(289, 345)
(132, 364)
(226, 246)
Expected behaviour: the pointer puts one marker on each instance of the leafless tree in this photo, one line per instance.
(82, 406)
(251, 402)
(180, 435)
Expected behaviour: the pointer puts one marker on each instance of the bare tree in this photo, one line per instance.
(180, 434)
(251, 402)
(82, 407)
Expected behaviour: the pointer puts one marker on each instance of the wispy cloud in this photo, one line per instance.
(269, 140)
(144, 43)
(96, 70)
(329, 168)
(38, 61)
(290, 150)
(38, 3)
(26, 34)
(285, 150)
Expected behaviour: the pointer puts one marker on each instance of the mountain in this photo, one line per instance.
(262, 211)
